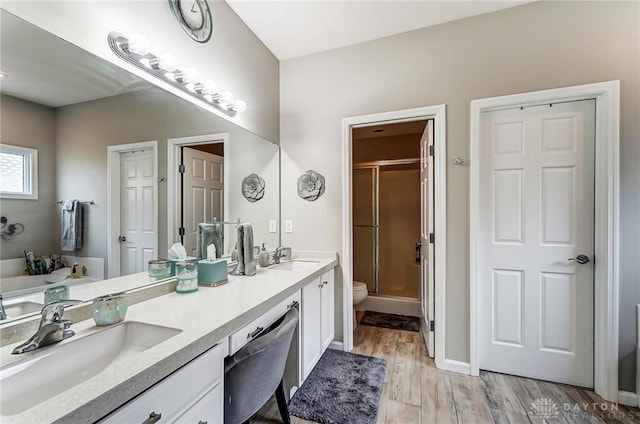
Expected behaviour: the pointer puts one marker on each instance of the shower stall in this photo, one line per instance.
(386, 226)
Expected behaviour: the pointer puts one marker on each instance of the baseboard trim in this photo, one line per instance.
(335, 345)
(627, 398)
(455, 366)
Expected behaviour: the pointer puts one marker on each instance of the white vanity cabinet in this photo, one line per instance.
(317, 320)
(194, 393)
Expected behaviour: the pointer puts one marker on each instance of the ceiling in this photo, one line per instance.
(47, 70)
(294, 28)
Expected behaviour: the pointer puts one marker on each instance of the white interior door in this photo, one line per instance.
(427, 264)
(203, 192)
(536, 212)
(138, 225)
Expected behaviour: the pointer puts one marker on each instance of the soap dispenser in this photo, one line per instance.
(263, 259)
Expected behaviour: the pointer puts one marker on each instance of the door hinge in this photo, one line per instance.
(181, 231)
(182, 169)
(432, 326)
(431, 150)
(432, 238)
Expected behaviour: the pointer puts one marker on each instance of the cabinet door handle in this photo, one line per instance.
(202, 422)
(255, 332)
(153, 418)
(324, 283)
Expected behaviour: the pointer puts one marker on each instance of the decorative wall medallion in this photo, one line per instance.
(9, 231)
(310, 185)
(253, 188)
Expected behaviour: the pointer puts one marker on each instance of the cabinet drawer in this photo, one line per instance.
(207, 410)
(176, 393)
(255, 327)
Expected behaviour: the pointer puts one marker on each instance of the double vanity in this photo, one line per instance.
(165, 361)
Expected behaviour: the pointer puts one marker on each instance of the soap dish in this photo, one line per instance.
(109, 309)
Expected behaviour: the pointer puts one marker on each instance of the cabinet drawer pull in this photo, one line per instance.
(153, 418)
(202, 422)
(255, 332)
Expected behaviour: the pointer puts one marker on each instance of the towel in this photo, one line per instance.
(208, 234)
(246, 260)
(72, 223)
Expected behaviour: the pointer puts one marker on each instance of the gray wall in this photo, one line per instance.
(31, 125)
(537, 46)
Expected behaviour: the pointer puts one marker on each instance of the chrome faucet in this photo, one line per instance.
(52, 328)
(279, 254)
(3, 313)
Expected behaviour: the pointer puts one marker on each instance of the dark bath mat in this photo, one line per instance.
(343, 388)
(395, 322)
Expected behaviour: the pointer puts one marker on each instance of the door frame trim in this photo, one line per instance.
(173, 150)
(113, 199)
(606, 225)
(438, 114)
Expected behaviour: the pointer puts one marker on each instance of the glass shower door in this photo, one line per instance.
(365, 226)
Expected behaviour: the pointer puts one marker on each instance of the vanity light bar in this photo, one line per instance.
(136, 50)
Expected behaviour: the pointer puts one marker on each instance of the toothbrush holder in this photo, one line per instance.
(110, 309)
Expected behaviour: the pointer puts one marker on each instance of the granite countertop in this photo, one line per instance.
(205, 318)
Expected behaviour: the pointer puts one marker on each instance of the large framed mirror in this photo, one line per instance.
(97, 128)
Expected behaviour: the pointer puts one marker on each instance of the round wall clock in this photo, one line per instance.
(194, 17)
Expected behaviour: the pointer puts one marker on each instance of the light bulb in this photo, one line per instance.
(139, 45)
(190, 75)
(240, 106)
(210, 87)
(168, 62)
(226, 97)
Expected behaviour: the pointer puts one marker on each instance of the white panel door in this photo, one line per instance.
(536, 217)
(138, 226)
(427, 264)
(203, 190)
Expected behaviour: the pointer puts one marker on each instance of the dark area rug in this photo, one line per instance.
(343, 388)
(395, 322)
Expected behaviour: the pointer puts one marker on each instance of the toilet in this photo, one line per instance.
(360, 293)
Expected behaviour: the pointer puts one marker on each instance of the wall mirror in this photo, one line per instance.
(89, 119)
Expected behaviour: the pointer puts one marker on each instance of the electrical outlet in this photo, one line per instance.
(273, 226)
(288, 225)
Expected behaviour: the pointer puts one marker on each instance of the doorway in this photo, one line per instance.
(437, 115)
(536, 241)
(209, 197)
(605, 241)
(386, 209)
(132, 201)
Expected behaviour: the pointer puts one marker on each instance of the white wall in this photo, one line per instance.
(234, 57)
(537, 46)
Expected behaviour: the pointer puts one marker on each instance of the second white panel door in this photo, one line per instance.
(536, 219)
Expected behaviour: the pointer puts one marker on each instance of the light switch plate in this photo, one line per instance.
(273, 226)
(288, 225)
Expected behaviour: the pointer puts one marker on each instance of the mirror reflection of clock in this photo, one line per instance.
(192, 13)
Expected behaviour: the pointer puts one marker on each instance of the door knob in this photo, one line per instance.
(122, 238)
(581, 259)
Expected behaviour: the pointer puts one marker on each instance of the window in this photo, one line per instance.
(18, 172)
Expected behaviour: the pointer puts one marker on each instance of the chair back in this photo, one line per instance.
(253, 373)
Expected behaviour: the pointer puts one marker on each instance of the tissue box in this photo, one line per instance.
(175, 261)
(212, 273)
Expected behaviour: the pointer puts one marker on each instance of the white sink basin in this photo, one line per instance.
(26, 383)
(294, 265)
(17, 309)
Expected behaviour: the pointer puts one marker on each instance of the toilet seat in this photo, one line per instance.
(359, 286)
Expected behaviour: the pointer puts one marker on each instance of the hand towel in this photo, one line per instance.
(72, 223)
(208, 234)
(248, 253)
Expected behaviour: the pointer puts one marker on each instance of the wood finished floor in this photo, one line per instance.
(415, 391)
